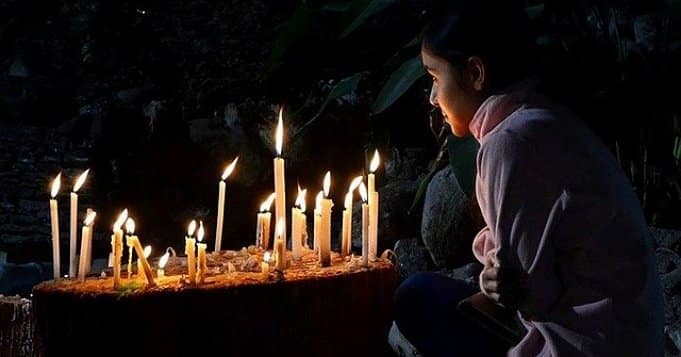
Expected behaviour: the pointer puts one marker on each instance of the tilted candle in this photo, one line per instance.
(134, 240)
(54, 220)
(160, 272)
(221, 204)
(140, 267)
(73, 241)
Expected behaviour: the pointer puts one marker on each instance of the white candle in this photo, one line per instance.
(279, 250)
(117, 247)
(373, 207)
(221, 204)
(73, 241)
(365, 225)
(202, 263)
(190, 250)
(130, 250)
(160, 272)
(265, 264)
(88, 251)
(325, 224)
(85, 242)
(297, 225)
(262, 229)
(317, 220)
(134, 240)
(279, 179)
(54, 218)
(346, 235)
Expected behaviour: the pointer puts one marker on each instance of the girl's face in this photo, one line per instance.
(456, 92)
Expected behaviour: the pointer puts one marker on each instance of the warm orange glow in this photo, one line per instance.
(130, 226)
(267, 204)
(327, 183)
(300, 201)
(348, 200)
(280, 228)
(374, 162)
(318, 200)
(164, 260)
(280, 132)
(267, 257)
(355, 183)
(121, 219)
(90, 218)
(147, 251)
(80, 181)
(363, 191)
(229, 169)
(201, 232)
(55, 185)
(191, 228)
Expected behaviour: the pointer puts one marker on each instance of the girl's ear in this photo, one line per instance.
(475, 69)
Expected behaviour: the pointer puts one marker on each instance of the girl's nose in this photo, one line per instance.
(433, 95)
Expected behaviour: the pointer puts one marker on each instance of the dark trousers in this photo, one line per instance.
(426, 314)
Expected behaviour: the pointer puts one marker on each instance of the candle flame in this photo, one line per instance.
(229, 169)
(363, 191)
(201, 232)
(374, 162)
(280, 132)
(318, 200)
(355, 183)
(164, 260)
(120, 220)
(280, 228)
(348, 200)
(80, 181)
(300, 201)
(130, 226)
(147, 251)
(191, 228)
(327, 183)
(55, 185)
(90, 218)
(267, 204)
(267, 257)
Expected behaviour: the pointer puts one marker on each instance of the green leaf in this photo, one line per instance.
(398, 83)
(344, 87)
(291, 32)
(462, 158)
(374, 7)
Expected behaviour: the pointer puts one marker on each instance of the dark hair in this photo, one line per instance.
(496, 31)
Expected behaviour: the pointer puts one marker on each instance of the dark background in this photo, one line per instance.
(156, 97)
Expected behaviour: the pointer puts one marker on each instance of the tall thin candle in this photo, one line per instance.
(221, 204)
(297, 225)
(279, 179)
(190, 250)
(117, 247)
(373, 207)
(365, 225)
(73, 241)
(85, 243)
(346, 232)
(134, 240)
(202, 262)
(54, 218)
(317, 220)
(325, 236)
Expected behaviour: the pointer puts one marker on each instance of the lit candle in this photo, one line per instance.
(132, 239)
(365, 225)
(297, 225)
(279, 250)
(346, 232)
(262, 229)
(317, 220)
(279, 181)
(265, 264)
(221, 204)
(54, 218)
(85, 244)
(117, 247)
(373, 207)
(130, 250)
(74, 223)
(325, 224)
(202, 262)
(190, 249)
(88, 251)
(160, 272)
(140, 267)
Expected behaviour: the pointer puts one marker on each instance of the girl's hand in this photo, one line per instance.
(501, 285)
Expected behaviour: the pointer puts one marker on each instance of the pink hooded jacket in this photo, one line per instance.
(559, 210)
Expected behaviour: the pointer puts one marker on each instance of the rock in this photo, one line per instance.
(666, 238)
(411, 257)
(446, 227)
(674, 334)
